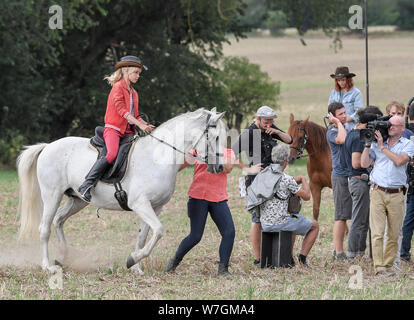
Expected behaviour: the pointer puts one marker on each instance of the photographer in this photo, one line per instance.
(358, 184)
(388, 177)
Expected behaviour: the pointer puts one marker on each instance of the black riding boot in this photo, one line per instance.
(92, 178)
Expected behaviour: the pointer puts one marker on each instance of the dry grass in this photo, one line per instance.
(99, 246)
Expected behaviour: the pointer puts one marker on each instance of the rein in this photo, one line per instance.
(205, 132)
(302, 147)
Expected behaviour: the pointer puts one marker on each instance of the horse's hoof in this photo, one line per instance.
(130, 262)
(58, 263)
(136, 269)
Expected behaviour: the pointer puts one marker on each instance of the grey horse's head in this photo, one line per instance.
(214, 141)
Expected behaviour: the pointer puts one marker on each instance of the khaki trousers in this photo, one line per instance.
(386, 211)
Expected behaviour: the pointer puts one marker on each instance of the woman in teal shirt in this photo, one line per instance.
(347, 94)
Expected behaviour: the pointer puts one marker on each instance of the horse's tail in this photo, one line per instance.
(30, 202)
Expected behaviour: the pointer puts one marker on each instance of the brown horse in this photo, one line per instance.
(311, 137)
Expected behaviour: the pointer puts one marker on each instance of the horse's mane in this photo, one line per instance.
(195, 115)
(318, 134)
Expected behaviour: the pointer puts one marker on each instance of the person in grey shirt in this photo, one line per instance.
(336, 136)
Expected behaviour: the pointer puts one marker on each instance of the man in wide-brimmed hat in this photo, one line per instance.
(347, 94)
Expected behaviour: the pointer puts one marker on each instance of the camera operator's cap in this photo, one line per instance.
(342, 72)
(130, 61)
(266, 112)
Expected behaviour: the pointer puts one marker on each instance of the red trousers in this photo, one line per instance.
(112, 137)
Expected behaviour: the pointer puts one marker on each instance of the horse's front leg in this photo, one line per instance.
(142, 238)
(145, 211)
(316, 190)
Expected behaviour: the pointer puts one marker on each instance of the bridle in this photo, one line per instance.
(303, 146)
(205, 132)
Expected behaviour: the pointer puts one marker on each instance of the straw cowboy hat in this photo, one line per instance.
(130, 61)
(342, 72)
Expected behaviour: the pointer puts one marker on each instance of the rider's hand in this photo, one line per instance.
(148, 128)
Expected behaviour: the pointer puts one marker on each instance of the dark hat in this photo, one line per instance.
(130, 61)
(342, 72)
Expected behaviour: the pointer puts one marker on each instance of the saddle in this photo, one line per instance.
(117, 169)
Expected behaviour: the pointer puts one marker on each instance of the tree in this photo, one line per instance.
(307, 15)
(406, 14)
(247, 88)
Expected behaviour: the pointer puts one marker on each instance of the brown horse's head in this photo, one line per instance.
(297, 132)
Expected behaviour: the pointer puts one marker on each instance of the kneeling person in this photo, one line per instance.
(274, 215)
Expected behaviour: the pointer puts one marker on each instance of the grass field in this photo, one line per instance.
(99, 246)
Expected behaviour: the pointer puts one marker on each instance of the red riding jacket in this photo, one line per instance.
(117, 108)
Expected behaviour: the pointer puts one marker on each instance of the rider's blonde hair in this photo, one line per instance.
(117, 75)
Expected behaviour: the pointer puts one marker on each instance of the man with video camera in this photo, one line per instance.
(388, 178)
(358, 184)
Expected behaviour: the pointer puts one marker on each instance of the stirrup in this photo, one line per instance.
(83, 195)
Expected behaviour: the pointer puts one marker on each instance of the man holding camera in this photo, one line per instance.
(358, 183)
(388, 177)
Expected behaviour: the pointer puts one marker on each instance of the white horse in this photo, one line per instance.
(48, 171)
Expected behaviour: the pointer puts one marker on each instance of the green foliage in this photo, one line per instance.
(247, 88)
(52, 80)
(10, 146)
(382, 12)
(254, 14)
(276, 21)
(307, 15)
(405, 20)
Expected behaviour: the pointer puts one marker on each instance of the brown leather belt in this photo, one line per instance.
(388, 190)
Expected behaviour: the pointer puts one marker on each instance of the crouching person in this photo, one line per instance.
(269, 196)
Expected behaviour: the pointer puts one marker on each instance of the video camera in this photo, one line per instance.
(374, 122)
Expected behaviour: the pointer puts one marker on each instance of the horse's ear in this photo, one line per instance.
(213, 110)
(291, 118)
(216, 117)
(306, 120)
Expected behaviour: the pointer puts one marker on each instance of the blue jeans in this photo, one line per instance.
(407, 229)
(198, 210)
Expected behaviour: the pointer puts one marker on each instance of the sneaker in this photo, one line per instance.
(405, 258)
(340, 256)
(302, 261)
(223, 270)
(172, 264)
(256, 262)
